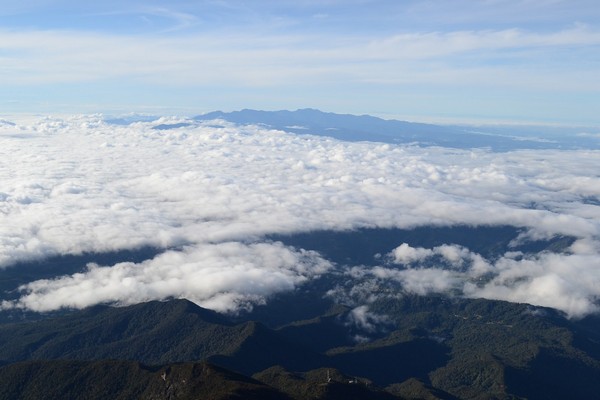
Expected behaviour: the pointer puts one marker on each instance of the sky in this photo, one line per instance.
(207, 193)
(505, 61)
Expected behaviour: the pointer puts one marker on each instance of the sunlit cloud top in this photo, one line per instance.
(207, 193)
(502, 60)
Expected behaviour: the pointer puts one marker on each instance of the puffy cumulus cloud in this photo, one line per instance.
(224, 277)
(457, 257)
(406, 254)
(568, 282)
(421, 281)
(565, 281)
(76, 184)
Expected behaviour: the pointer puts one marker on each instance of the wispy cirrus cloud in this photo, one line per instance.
(517, 60)
(37, 57)
(438, 44)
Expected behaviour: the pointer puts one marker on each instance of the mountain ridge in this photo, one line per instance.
(364, 127)
(467, 348)
(121, 380)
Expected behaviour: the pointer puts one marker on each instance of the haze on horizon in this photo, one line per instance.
(421, 60)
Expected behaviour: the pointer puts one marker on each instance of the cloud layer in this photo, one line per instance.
(225, 277)
(567, 282)
(253, 60)
(76, 185)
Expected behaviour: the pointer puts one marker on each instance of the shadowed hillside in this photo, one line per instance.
(122, 380)
(435, 347)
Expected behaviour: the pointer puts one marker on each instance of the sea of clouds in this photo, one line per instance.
(206, 193)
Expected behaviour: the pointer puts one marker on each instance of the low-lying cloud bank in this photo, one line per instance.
(225, 277)
(79, 185)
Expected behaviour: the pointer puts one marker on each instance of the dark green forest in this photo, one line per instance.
(301, 344)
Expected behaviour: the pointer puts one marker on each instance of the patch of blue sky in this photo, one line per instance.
(460, 57)
(350, 15)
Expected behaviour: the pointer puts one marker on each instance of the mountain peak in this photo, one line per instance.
(354, 128)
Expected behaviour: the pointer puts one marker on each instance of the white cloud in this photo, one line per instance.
(405, 254)
(78, 185)
(421, 281)
(266, 60)
(504, 57)
(567, 282)
(365, 321)
(438, 44)
(225, 277)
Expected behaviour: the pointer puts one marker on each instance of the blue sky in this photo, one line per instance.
(422, 60)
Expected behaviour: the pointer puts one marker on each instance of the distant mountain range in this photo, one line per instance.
(368, 128)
